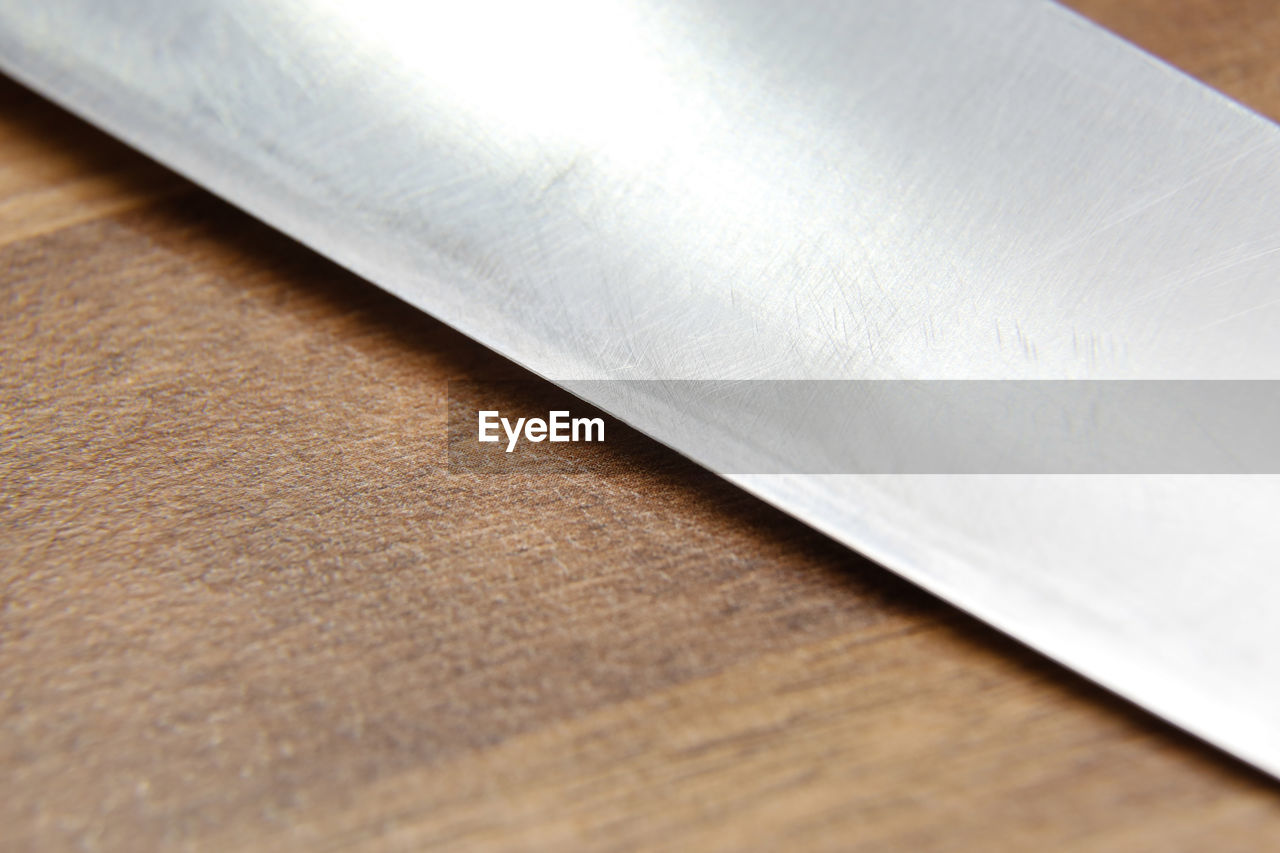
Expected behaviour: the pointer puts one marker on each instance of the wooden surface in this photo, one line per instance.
(246, 607)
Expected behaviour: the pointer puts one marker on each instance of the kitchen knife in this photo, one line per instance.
(653, 203)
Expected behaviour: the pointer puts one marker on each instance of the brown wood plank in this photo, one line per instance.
(55, 172)
(246, 606)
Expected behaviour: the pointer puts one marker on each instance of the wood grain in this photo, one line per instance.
(247, 605)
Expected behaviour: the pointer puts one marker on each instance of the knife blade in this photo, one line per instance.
(625, 195)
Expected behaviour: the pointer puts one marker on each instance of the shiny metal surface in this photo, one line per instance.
(734, 189)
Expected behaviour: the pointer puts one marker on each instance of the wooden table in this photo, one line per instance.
(246, 605)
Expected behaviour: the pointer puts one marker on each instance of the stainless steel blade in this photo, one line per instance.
(734, 189)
